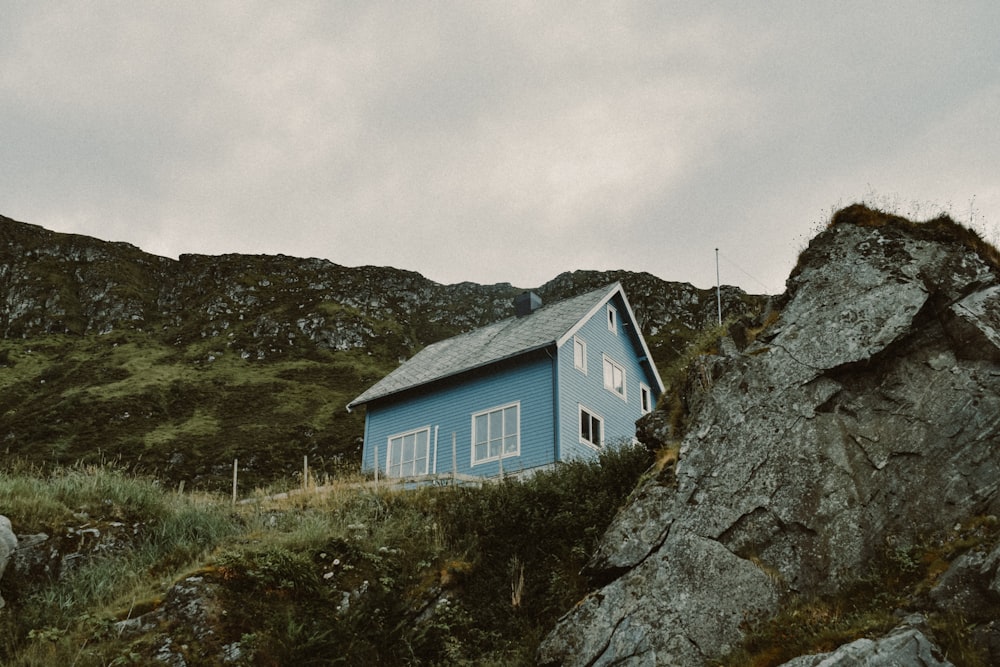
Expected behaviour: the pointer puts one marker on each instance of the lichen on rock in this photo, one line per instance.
(870, 414)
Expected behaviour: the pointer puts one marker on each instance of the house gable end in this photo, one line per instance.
(632, 323)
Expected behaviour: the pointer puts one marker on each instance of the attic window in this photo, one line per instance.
(612, 319)
(580, 354)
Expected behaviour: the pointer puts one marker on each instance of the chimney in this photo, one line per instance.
(526, 303)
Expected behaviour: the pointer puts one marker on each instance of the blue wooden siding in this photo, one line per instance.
(576, 388)
(447, 408)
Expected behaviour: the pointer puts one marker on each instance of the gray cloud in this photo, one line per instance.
(496, 142)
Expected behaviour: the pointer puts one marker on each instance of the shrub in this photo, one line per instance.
(548, 525)
(266, 569)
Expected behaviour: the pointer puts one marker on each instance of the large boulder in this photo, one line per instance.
(8, 543)
(867, 416)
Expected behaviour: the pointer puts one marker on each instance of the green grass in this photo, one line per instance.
(166, 412)
(280, 568)
(201, 423)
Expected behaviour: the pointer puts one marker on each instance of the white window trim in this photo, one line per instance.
(472, 436)
(612, 319)
(403, 434)
(610, 387)
(645, 392)
(593, 415)
(583, 344)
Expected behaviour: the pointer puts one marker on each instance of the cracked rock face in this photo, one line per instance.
(868, 416)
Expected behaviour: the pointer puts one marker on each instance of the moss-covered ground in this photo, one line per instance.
(179, 413)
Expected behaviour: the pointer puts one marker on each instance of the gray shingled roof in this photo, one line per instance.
(490, 344)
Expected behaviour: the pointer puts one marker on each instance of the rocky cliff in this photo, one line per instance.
(112, 353)
(856, 440)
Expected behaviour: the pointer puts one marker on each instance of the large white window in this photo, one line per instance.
(591, 428)
(645, 399)
(495, 433)
(614, 376)
(408, 453)
(580, 353)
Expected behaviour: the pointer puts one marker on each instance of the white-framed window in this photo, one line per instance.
(591, 428)
(614, 377)
(496, 433)
(408, 454)
(580, 353)
(645, 399)
(612, 319)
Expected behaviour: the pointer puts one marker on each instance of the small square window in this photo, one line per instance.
(612, 319)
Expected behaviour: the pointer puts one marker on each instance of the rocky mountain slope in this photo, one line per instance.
(850, 455)
(176, 367)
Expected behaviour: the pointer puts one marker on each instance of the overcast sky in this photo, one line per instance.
(497, 142)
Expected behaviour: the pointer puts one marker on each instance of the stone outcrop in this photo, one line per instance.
(8, 543)
(972, 582)
(906, 645)
(867, 418)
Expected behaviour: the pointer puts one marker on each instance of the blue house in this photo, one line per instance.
(554, 383)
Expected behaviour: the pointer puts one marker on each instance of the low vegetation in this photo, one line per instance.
(941, 228)
(353, 575)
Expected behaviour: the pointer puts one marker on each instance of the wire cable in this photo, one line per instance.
(744, 272)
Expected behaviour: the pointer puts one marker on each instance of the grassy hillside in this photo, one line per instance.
(180, 414)
(358, 575)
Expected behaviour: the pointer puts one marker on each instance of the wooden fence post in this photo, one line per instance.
(454, 458)
(376, 465)
(236, 467)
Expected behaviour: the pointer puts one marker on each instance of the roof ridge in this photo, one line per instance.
(486, 345)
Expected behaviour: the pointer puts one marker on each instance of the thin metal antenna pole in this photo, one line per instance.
(718, 287)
